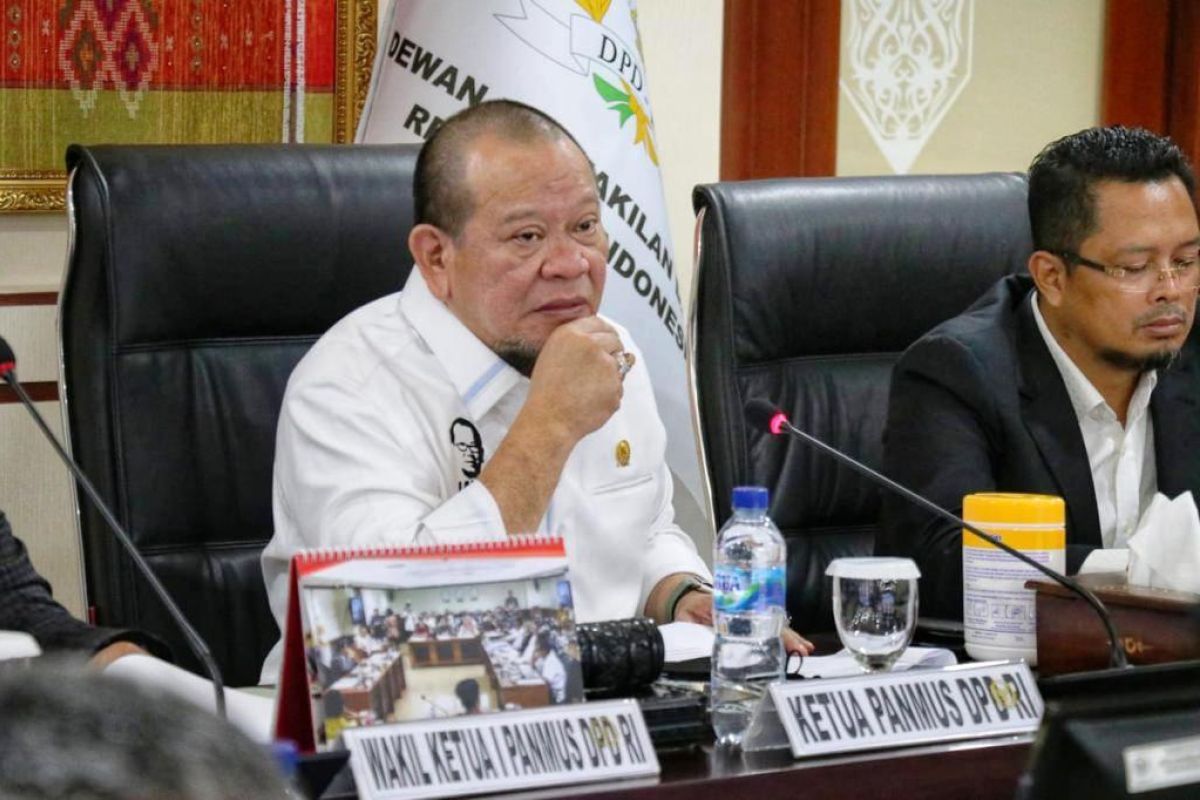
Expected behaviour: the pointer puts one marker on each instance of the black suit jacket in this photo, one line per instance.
(27, 605)
(977, 404)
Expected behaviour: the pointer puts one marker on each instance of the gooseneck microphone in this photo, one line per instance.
(8, 371)
(765, 415)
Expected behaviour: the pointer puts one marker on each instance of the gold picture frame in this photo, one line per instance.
(355, 42)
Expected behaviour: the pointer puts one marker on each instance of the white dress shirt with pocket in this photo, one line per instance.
(384, 427)
(1121, 457)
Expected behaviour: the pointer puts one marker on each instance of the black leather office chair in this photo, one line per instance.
(806, 292)
(197, 278)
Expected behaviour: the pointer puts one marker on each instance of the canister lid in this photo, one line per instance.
(1014, 508)
(874, 569)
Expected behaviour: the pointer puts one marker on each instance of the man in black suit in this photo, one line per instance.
(1076, 380)
(26, 605)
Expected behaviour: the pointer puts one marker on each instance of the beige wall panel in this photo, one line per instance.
(1036, 76)
(35, 493)
(681, 44)
(30, 332)
(33, 250)
(681, 40)
(35, 490)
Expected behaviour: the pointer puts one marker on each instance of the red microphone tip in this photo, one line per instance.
(777, 423)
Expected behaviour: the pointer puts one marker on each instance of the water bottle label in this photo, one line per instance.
(736, 589)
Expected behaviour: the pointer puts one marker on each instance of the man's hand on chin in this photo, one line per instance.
(112, 652)
(576, 383)
(574, 389)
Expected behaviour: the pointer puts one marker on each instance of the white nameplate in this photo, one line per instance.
(1162, 765)
(889, 709)
(501, 752)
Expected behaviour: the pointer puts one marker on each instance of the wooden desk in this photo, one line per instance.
(978, 770)
(523, 695)
(516, 682)
(974, 770)
(377, 694)
(457, 652)
(445, 652)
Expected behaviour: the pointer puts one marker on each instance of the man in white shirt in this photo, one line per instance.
(550, 667)
(1078, 380)
(467, 627)
(488, 398)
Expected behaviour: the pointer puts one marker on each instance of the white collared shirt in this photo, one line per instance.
(364, 456)
(1121, 457)
(555, 675)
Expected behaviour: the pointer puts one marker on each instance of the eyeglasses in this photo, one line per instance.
(1142, 278)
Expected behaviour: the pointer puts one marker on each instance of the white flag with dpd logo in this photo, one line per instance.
(579, 61)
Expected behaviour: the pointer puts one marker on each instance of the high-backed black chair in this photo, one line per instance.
(806, 292)
(197, 278)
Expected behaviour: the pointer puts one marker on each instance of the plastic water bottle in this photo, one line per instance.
(750, 566)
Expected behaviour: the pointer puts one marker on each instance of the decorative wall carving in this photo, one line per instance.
(907, 62)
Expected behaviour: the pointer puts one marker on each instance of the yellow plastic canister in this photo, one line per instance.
(999, 615)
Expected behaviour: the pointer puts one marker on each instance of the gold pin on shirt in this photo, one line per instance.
(623, 453)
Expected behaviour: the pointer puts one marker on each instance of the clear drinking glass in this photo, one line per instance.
(875, 608)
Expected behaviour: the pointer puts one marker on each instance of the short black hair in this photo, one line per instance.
(459, 423)
(440, 195)
(1062, 179)
(468, 693)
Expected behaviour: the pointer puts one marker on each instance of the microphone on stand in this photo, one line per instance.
(8, 371)
(765, 415)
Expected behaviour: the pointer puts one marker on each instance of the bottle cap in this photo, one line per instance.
(1013, 508)
(751, 498)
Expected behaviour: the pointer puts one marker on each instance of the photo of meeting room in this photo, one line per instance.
(390, 655)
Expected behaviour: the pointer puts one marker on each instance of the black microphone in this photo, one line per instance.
(765, 415)
(8, 371)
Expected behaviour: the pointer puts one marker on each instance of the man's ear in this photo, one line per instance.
(433, 251)
(1049, 273)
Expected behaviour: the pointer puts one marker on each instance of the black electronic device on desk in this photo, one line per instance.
(1118, 733)
(624, 658)
(676, 713)
(693, 669)
(316, 771)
